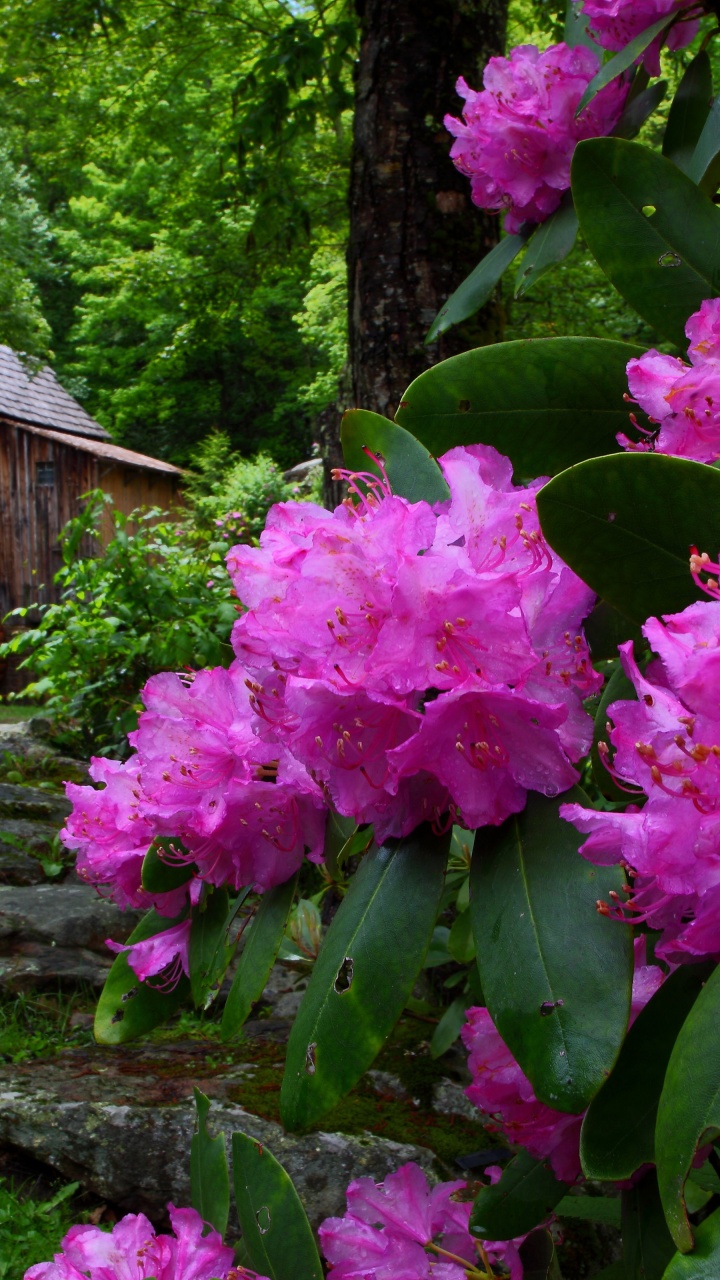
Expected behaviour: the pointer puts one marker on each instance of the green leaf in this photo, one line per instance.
(689, 1108)
(411, 470)
(128, 1008)
(475, 290)
(603, 1209)
(266, 932)
(651, 229)
(364, 973)
(704, 168)
(605, 629)
(545, 402)
(553, 240)
(575, 31)
(621, 61)
(449, 1027)
(210, 950)
(618, 687)
(538, 1257)
(689, 112)
(647, 1246)
(637, 110)
(616, 1271)
(618, 1133)
(461, 942)
(161, 870)
(209, 1177)
(556, 974)
(625, 524)
(704, 1261)
(526, 1193)
(276, 1233)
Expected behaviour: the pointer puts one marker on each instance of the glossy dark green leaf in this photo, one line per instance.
(618, 1133)
(538, 1257)
(704, 1261)
(621, 61)
(209, 1177)
(526, 1193)
(545, 402)
(601, 1209)
(276, 1233)
(625, 524)
(161, 870)
(575, 31)
(689, 112)
(704, 167)
(556, 974)
(344, 840)
(618, 687)
(616, 1271)
(461, 942)
(651, 229)
(475, 290)
(637, 110)
(411, 470)
(647, 1246)
(265, 934)
(549, 244)
(449, 1027)
(210, 949)
(128, 1008)
(364, 973)
(689, 1108)
(605, 629)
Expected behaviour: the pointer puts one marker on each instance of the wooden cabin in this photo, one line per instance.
(52, 452)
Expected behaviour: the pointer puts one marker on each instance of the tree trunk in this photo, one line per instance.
(414, 232)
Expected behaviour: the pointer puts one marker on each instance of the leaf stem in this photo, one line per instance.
(470, 1270)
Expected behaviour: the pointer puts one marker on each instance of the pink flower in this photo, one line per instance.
(667, 747)
(614, 23)
(401, 1229)
(517, 136)
(165, 953)
(133, 1251)
(682, 400)
(111, 835)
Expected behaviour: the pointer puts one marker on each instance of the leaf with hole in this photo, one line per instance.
(688, 112)
(276, 1234)
(412, 471)
(689, 1108)
(129, 1008)
(618, 1133)
(477, 288)
(525, 1196)
(556, 974)
(209, 1177)
(265, 935)
(545, 402)
(371, 955)
(625, 524)
(664, 264)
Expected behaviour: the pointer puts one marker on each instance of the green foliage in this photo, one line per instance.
(233, 494)
(156, 598)
(275, 1229)
(30, 1228)
(24, 260)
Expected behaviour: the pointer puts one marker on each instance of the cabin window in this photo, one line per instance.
(46, 473)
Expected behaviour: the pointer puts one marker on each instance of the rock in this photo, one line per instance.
(57, 932)
(120, 1122)
(32, 804)
(449, 1100)
(302, 471)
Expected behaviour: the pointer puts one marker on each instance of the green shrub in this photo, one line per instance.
(156, 598)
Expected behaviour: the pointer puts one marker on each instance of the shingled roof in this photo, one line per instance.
(26, 396)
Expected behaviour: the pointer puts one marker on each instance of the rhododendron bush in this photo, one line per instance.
(505, 640)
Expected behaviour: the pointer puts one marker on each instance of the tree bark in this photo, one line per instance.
(414, 232)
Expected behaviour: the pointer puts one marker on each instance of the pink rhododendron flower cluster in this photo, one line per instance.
(133, 1251)
(502, 1090)
(403, 1230)
(418, 661)
(667, 747)
(614, 23)
(517, 135)
(682, 399)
